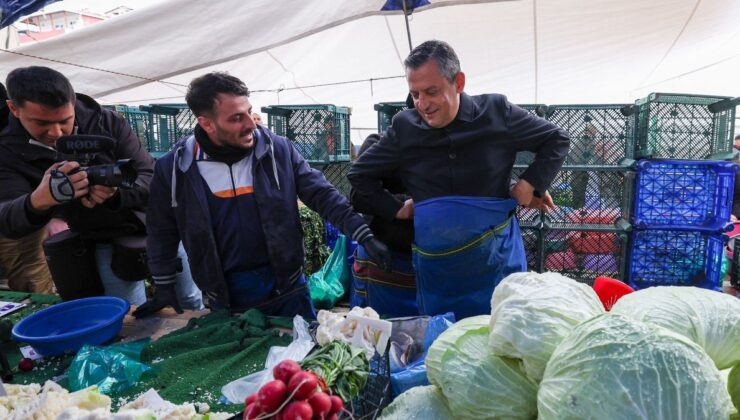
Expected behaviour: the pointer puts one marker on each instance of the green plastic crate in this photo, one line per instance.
(321, 133)
(168, 123)
(386, 112)
(677, 126)
(137, 119)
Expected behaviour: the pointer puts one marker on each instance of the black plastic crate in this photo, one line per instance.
(386, 112)
(321, 133)
(336, 174)
(678, 126)
(525, 158)
(600, 135)
(168, 123)
(533, 244)
(377, 392)
(584, 254)
(660, 257)
(527, 217)
(584, 198)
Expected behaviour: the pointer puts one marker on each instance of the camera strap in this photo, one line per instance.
(61, 187)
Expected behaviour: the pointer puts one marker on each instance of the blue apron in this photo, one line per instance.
(390, 294)
(463, 247)
(253, 289)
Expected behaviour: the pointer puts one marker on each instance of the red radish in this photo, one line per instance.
(26, 364)
(250, 399)
(320, 403)
(333, 417)
(336, 405)
(284, 370)
(298, 410)
(272, 395)
(320, 380)
(252, 412)
(304, 384)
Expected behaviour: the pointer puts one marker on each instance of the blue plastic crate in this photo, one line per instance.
(675, 258)
(684, 194)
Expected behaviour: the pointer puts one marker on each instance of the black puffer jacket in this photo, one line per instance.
(22, 166)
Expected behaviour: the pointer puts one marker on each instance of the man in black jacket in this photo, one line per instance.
(389, 293)
(43, 107)
(455, 153)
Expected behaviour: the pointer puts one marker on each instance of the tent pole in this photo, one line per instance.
(406, 17)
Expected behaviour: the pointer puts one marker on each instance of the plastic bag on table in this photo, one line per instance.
(236, 391)
(113, 369)
(407, 368)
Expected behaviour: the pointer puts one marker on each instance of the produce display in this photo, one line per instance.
(532, 313)
(343, 368)
(550, 350)
(421, 402)
(295, 394)
(475, 382)
(616, 366)
(52, 402)
(708, 318)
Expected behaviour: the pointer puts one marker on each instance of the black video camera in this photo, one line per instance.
(84, 148)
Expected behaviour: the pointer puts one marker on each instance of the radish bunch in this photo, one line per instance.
(295, 394)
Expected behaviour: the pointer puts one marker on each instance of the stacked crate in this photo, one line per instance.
(167, 124)
(683, 190)
(321, 133)
(586, 235)
(136, 118)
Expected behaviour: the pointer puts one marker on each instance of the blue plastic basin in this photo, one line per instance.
(64, 328)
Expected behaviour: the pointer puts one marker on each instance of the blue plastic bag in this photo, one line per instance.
(415, 372)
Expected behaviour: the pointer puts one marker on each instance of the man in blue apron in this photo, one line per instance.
(230, 192)
(390, 293)
(454, 153)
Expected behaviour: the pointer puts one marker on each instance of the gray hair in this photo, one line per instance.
(439, 51)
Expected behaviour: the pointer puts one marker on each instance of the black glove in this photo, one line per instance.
(164, 295)
(378, 253)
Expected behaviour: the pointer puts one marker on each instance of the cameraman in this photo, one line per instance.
(91, 218)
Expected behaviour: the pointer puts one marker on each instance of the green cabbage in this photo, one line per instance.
(532, 312)
(421, 402)
(613, 367)
(733, 385)
(476, 383)
(710, 319)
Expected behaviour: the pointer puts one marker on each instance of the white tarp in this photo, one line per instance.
(550, 52)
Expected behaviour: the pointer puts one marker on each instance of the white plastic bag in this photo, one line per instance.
(236, 391)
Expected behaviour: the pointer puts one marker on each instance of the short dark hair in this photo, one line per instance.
(40, 85)
(3, 95)
(737, 137)
(439, 51)
(203, 90)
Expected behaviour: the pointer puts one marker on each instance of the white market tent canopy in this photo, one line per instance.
(548, 52)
